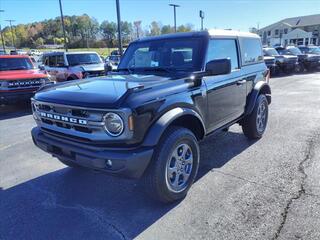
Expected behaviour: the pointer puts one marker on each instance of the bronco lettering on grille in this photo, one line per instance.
(63, 118)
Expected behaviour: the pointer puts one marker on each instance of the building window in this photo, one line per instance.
(300, 41)
(276, 32)
(269, 33)
(285, 30)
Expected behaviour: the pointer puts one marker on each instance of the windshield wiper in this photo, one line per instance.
(158, 69)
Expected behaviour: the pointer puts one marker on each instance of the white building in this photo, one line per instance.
(298, 31)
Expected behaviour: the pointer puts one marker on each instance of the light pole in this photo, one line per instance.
(13, 40)
(201, 14)
(137, 25)
(2, 40)
(119, 27)
(174, 15)
(63, 27)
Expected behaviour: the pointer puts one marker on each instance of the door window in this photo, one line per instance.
(60, 61)
(52, 61)
(223, 48)
(46, 61)
(251, 51)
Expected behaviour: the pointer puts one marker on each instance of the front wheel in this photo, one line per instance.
(174, 167)
(255, 124)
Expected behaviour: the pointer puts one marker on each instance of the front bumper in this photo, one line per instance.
(125, 162)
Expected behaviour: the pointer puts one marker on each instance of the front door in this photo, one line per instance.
(226, 94)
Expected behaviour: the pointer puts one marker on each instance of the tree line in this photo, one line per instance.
(81, 32)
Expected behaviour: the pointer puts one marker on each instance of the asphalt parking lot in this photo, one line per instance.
(266, 189)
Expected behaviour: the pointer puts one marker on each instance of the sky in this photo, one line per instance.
(225, 14)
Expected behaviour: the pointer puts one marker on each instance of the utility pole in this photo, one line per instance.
(63, 27)
(87, 38)
(2, 40)
(119, 27)
(13, 40)
(137, 25)
(174, 15)
(201, 14)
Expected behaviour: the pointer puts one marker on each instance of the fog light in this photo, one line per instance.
(109, 163)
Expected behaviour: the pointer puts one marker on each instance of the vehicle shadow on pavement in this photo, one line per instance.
(80, 204)
(219, 149)
(15, 110)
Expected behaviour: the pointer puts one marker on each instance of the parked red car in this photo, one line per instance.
(19, 79)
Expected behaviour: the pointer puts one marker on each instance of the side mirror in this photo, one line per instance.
(41, 67)
(218, 67)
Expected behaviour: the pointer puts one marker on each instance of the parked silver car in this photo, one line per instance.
(64, 66)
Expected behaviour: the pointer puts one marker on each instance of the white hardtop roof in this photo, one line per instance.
(81, 52)
(231, 33)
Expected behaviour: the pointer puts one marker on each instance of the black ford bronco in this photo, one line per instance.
(286, 63)
(146, 119)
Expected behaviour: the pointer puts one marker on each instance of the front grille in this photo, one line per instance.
(269, 61)
(77, 122)
(292, 61)
(68, 118)
(25, 83)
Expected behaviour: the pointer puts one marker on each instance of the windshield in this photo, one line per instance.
(284, 52)
(83, 58)
(314, 50)
(7, 64)
(295, 51)
(271, 52)
(164, 55)
(114, 58)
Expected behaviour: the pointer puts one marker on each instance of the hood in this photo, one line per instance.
(22, 74)
(93, 67)
(268, 58)
(278, 56)
(102, 92)
(313, 57)
(290, 57)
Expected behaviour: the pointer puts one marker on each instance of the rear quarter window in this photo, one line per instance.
(251, 51)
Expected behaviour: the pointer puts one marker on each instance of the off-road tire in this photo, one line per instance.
(155, 178)
(249, 126)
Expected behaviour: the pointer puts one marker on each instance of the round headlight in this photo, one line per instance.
(113, 124)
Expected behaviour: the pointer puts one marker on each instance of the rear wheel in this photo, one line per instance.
(255, 124)
(174, 167)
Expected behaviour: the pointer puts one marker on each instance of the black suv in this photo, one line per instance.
(271, 64)
(310, 49)
(169, 93)
(307, 61)
(286, 63)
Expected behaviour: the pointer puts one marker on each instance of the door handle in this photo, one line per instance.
(241, 82)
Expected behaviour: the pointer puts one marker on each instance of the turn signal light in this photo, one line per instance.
(130, 123)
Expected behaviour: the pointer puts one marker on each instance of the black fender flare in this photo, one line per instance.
(158, 128)
(260, 87)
